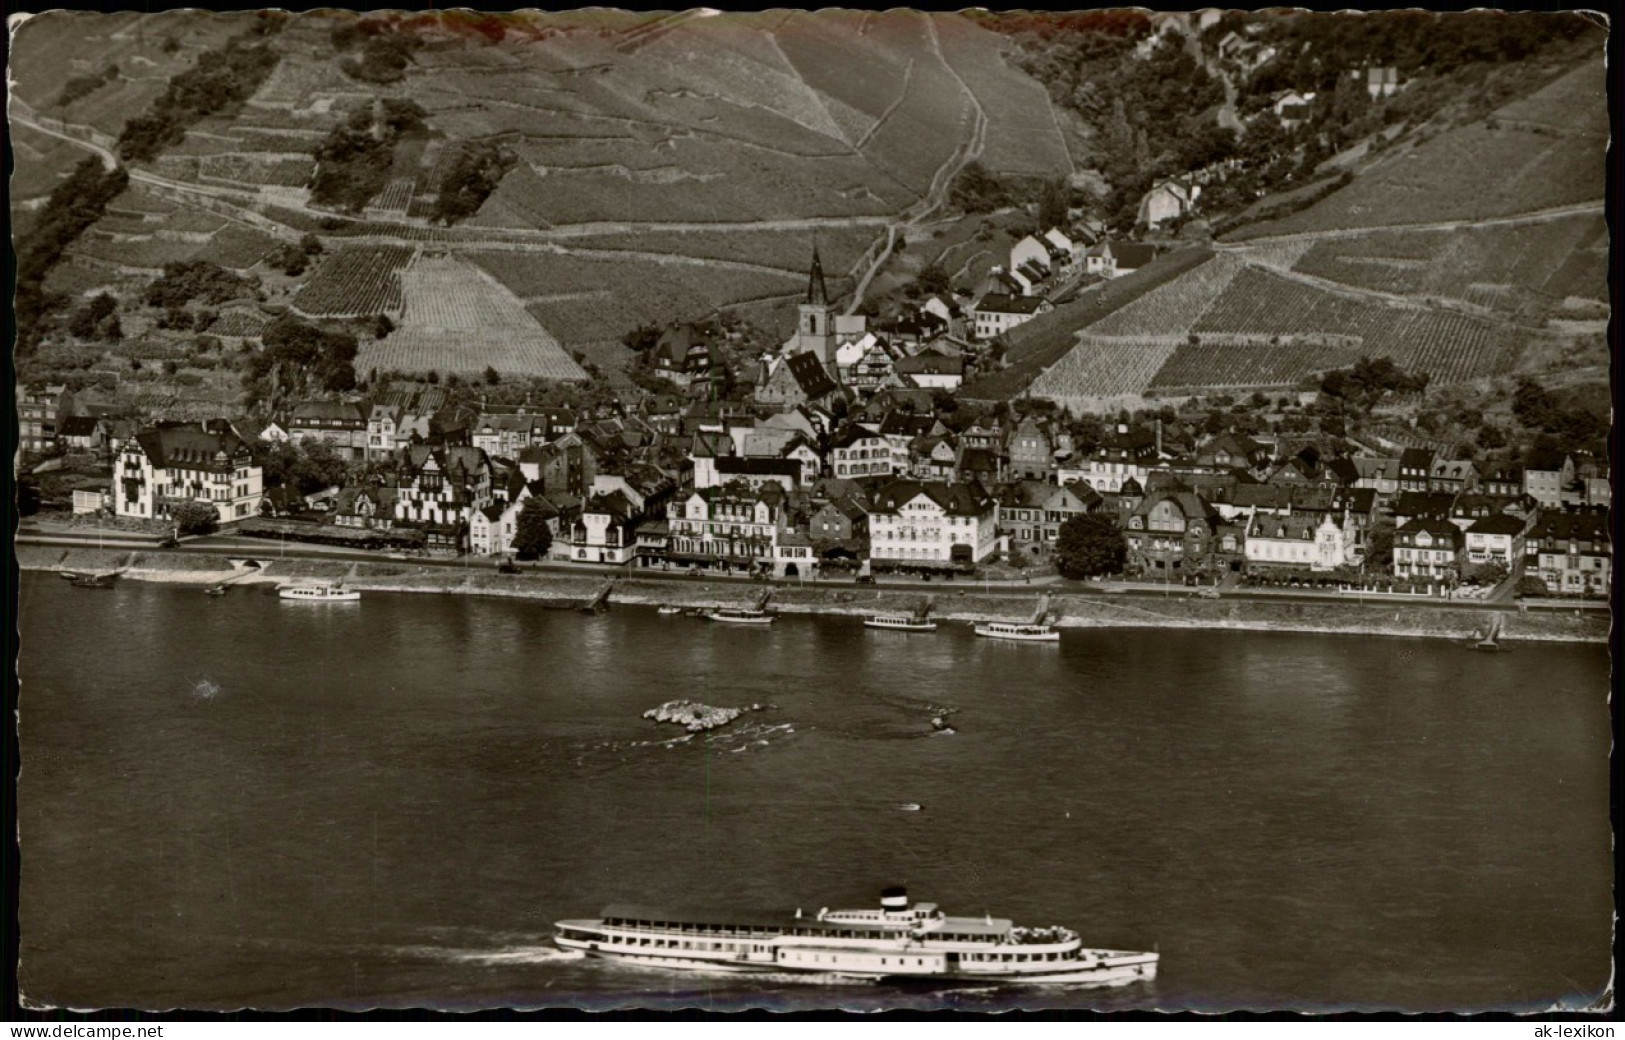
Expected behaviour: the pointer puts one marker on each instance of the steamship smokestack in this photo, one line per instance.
(894, 898)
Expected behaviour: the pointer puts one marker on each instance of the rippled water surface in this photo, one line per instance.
(237, 802)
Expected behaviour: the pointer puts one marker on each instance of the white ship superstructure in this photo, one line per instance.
(899, 941)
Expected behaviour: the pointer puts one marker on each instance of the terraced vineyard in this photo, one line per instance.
(355, 281)
(1176, 306)
(1099, 368)
(458, 319)
(1210, 365)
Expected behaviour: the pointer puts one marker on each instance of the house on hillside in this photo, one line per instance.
(1547, 472)
(81, 433)
(1380, 80)
(932, 369)
(342, 424)
(997, 313)
(684, 355)
(40, 410)
(1167, 200)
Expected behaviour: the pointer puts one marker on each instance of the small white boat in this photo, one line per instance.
(741, 617)
(319, 593)
(670, 610)
(1022, 633)
(900, 622)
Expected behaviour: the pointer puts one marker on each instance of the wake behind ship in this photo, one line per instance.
(899, 941)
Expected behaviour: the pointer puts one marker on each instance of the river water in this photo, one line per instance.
(237, 802)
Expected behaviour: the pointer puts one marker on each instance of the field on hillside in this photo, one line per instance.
(354, 281)
(1099, 367)
(1449, 346)
(583, 301)
(1540, 152)
(458, 319)
(1522, 270)
(1023, 135)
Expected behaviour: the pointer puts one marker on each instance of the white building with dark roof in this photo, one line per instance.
(930, 522)
(171, 463)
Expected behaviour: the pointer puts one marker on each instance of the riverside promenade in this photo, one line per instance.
(1068, 604)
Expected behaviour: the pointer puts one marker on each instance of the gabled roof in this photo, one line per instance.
(758, 467)
(1295, 527)
(810, 375)
(318, 411)
(932, 362)
(78, 426)
(1433, 526)
(189, 445)
(1497, 523)
(1006, 303)
(902, 424)
(1133, 255)
(1416, 459)
(954, 499)
(1547, 459)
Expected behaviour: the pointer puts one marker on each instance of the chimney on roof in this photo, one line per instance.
(1159, 436)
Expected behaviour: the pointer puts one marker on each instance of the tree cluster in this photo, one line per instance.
(219, 82)
(196, 281)
(73, 206)
(195, 518)
(297, 357)
(386, 50)
(354, 160)
(472, 177)
(1367, 381)
(97, 320)
(292, 259)
(977, 190)
(1089, 546)
(532, 536)
(307, 467)
(1539, 409)
(79, 87)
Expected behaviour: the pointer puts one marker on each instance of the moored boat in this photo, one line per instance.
(215, 590)
(899, 941)
(741, 617)
(318, 593)
(900, 622)
(1022, 633)
(669, 610)
(93, 581)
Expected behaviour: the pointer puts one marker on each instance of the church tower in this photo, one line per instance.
(815, 326)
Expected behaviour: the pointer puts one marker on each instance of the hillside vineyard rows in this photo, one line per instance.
(651, 170)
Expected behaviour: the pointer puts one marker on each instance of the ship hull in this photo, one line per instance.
(1122, 970)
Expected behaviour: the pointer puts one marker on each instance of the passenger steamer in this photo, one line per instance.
(900, 941)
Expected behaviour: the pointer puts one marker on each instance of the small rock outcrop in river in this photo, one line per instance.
(696, 717)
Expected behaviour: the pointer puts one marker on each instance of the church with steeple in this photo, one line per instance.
(815, 322)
